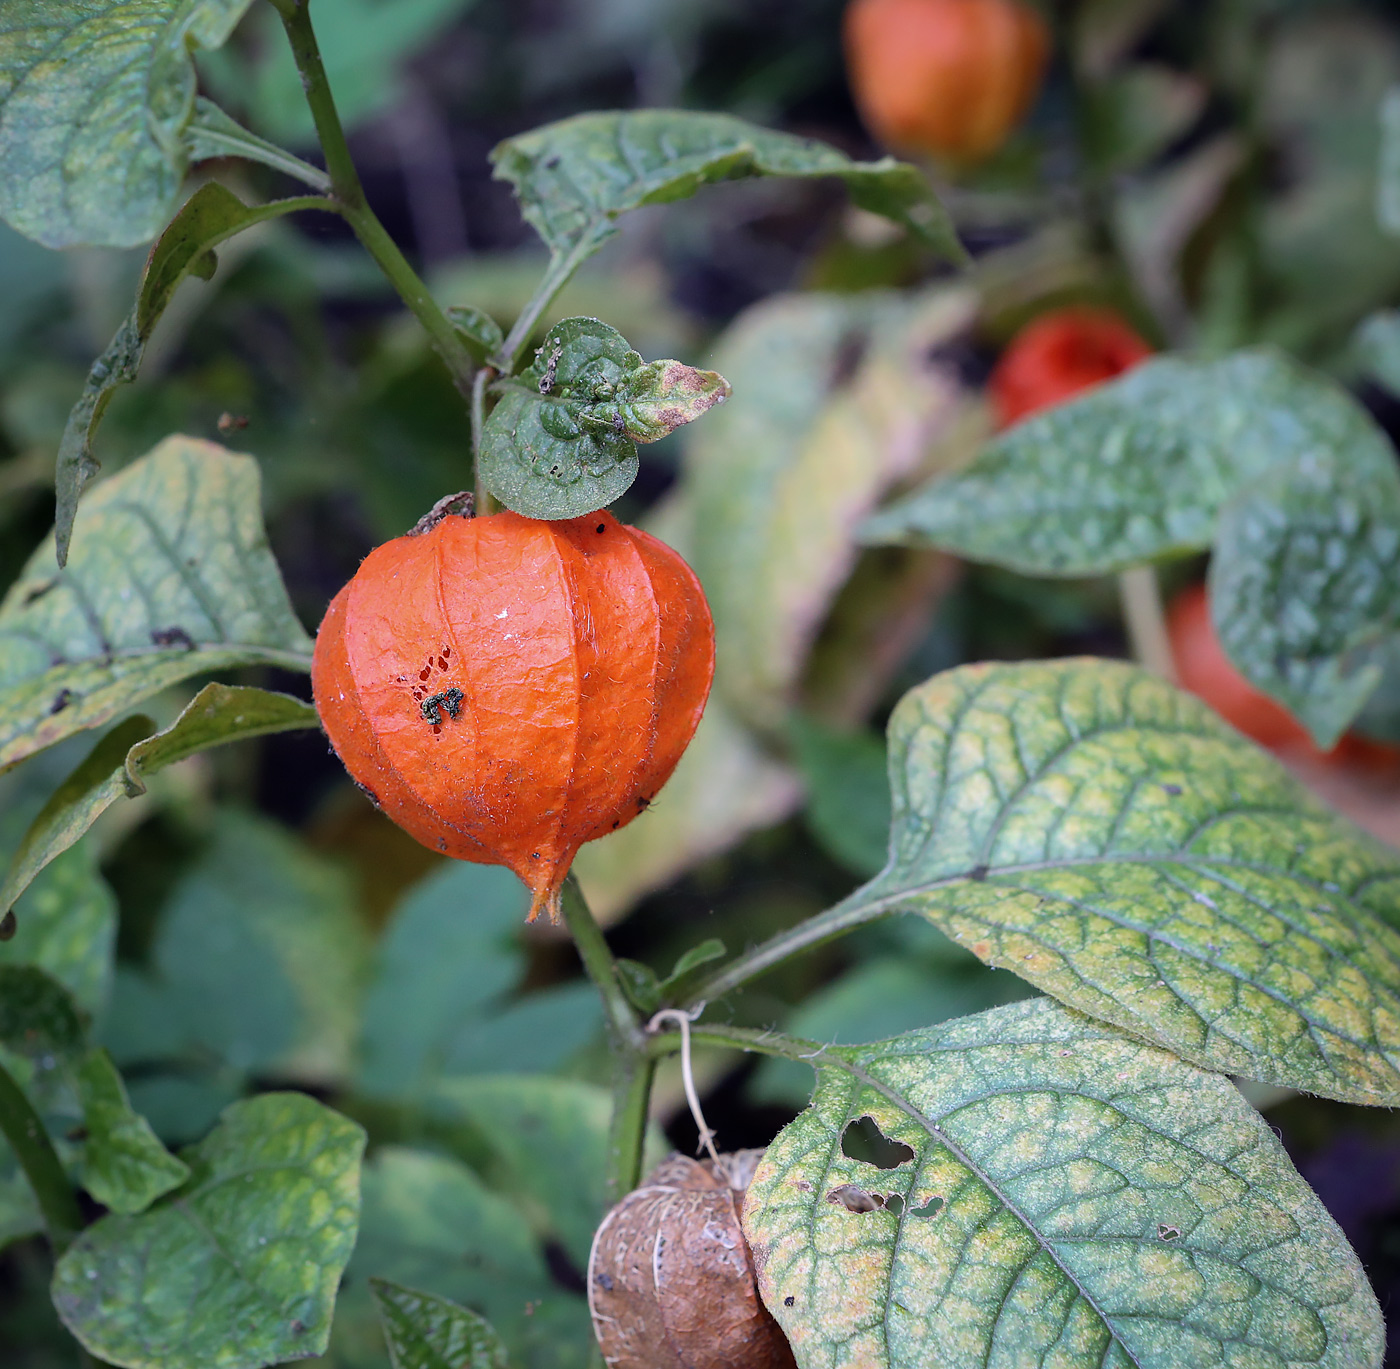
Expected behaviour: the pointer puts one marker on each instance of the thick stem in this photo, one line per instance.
(633, 1066)
(21, 1127)
(349, 196)
(1145, 620)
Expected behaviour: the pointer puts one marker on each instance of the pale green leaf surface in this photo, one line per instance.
(576, 177)
(1305, 584)
(1073, 1197)
(37, 1015)
(94, 99)
(1109, 839)
(1388, 177)
(237, 1269)
(123, 1165)
(1137, 470)
(430, 1223)
(170, 576)
(562, 441)
(1377, 345)
(428, 1332)
(440, 1000)
(260, 955)
(841, 394)
(118, 765)
(211, 215)
(546, 1143)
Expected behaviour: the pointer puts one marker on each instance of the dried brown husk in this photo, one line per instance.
(670, 1280)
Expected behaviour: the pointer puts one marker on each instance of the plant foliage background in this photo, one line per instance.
(248, 939)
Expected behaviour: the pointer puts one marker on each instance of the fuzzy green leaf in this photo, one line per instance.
(120, 763)
(1303, 584)
(575, 178)
(1059, 1194)
(211, 215)
(562, 440)
(237, 1269)
(1137, 470)
(94, 99)
(171, 577)
(124, 1166)
(428, 1332)
(1108, 838)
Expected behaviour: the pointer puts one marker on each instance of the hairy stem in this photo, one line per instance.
(349, 196)
(1146, 623)
(633, 1067)
(21, 1127)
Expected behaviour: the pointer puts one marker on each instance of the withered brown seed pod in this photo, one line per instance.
(670, 1281)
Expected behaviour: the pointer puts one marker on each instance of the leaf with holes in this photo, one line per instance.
(428, 1332)
(1045, 1190)
(239, 1268)
(171, 577)
(120, 763)
(211, 215)
(1108, 838)
(1303, 584)
(1138, 469)
(95, 96)
(575, 178)
(562, 441)
(123, 1166)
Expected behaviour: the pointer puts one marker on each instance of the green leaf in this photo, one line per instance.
(430, 1223)
(94, 99)
(848, 798)
(124, 1166)
(37, 1014)
(883, 997)
(562, 440)
(1109, 839)
(1388, 173)
(1059, 1194)
(19, 1210)
(207, 218)
(171, 577)
(545, 1144)
(439, 1000)
(237, 1269)
(427, 1332)
(575, 178)
(260, 955)
(1303, 584)
(841, 394)
(1137, 113)
(1377, 344)
(1135, 471)
(478, 330)
(212, 133)
(120, 763)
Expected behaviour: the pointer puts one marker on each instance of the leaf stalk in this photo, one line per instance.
(23, 1129)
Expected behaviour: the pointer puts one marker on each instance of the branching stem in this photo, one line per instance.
(21, 1127)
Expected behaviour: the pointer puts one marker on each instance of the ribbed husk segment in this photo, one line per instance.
(670, 1281)
(508, 688)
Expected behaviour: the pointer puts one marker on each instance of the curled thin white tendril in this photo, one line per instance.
(682, 1019)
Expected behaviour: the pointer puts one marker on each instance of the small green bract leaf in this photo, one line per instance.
(562, 440)
(427, 1332)
(237, 1269)
(120, 763)
(94, 99)
(576, 177)
(207, 218)
(124, 1166)
(477, 329)
(1058, 1194)
(171, 577)
(1108, 838)
(1137, 470)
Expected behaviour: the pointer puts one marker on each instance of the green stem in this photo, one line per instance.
(1146, 623)
(555, 279)
(21, 1127)
(349, 196)
(633, 1066)
(740, 1039)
